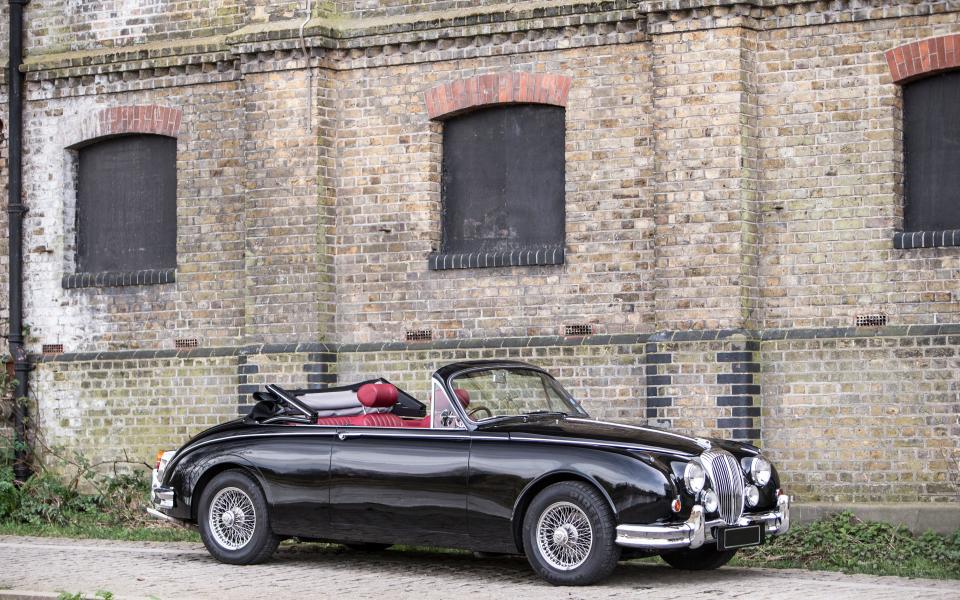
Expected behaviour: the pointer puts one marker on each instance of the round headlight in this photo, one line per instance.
(694, 477)
(710, 501)
(760, 470)
(752, 495)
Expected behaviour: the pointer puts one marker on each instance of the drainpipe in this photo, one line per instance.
(16, 210)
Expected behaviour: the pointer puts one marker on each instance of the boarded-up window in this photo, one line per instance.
(127, 204)
(931, 138)
(503, 188)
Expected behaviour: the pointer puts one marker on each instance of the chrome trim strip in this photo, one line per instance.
(593, 444)
(389, 434)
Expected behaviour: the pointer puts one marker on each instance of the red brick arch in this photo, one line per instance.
(923, 58)
(455, 97)
(141, 118)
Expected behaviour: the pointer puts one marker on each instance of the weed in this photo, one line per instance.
(845, 543)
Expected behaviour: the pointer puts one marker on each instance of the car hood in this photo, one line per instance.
(576, 429)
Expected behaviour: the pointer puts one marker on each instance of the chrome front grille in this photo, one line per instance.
(726, 478)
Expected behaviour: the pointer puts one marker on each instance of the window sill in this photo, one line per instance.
(529, 257)
(119, 278)
(908, 240)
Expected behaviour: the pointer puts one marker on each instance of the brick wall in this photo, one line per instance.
(867, 419)
(832, 182)
(389, 207)
(733, 187)
(65, 25)
(607, 379)
(109, 409)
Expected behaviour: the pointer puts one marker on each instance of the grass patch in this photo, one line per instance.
(847, 544)
(95, 530)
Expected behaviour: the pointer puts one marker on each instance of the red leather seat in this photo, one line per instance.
(463, 396)
(370, 395)
(334, 421)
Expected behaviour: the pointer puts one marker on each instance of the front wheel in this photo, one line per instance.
(233, 519)
(704, 558)
(569, 535)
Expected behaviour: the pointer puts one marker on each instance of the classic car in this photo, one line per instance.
(503, 460)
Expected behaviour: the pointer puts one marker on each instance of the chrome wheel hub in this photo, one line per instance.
(564, 536)
(232, 518)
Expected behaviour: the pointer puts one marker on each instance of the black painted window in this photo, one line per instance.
(127, 204)
(503, 188)
(931, 138)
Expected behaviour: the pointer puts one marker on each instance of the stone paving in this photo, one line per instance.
(185, 570)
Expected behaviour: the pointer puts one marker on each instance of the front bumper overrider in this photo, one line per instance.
(696, 531)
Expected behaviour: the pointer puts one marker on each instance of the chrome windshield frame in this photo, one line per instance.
(472, 424)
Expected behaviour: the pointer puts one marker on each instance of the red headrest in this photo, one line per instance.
(463, 396)
(377, 395)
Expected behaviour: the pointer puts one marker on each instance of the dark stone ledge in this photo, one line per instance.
(908, 240)
(624, 339)
(119, 278)
(528, 257)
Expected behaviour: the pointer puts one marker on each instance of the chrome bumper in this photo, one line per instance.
(163, 497)
(695, 531)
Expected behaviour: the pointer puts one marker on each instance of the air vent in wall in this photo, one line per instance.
(186, 343)
(581, 329)
(53, 348)
(872, 320)
(419, 335)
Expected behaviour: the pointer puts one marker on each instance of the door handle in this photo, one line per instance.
(344, 435)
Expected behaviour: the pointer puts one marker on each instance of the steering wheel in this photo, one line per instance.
(478, 409)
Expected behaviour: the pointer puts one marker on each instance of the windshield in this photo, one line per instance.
(502, 392)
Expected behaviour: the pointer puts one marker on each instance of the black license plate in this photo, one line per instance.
(739, 537)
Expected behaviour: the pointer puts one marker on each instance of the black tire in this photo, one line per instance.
(367, 546)
(261, 544)
(603, 553)
(704, 558)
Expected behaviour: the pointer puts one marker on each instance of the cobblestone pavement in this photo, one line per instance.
(184, 570)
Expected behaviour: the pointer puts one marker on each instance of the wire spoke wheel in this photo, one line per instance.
(232, 518)
(564, 536)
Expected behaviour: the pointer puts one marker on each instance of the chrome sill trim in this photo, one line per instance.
(695, 531)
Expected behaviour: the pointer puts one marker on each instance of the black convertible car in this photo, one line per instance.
(504, 461)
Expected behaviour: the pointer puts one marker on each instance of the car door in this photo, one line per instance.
(397, 486)
(400, 485)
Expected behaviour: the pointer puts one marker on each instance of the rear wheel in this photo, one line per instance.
(704, 558)
(569, 533)
(234, 521)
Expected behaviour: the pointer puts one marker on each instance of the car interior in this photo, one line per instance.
(374, 403)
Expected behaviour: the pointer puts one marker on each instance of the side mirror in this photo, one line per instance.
(447, 418)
